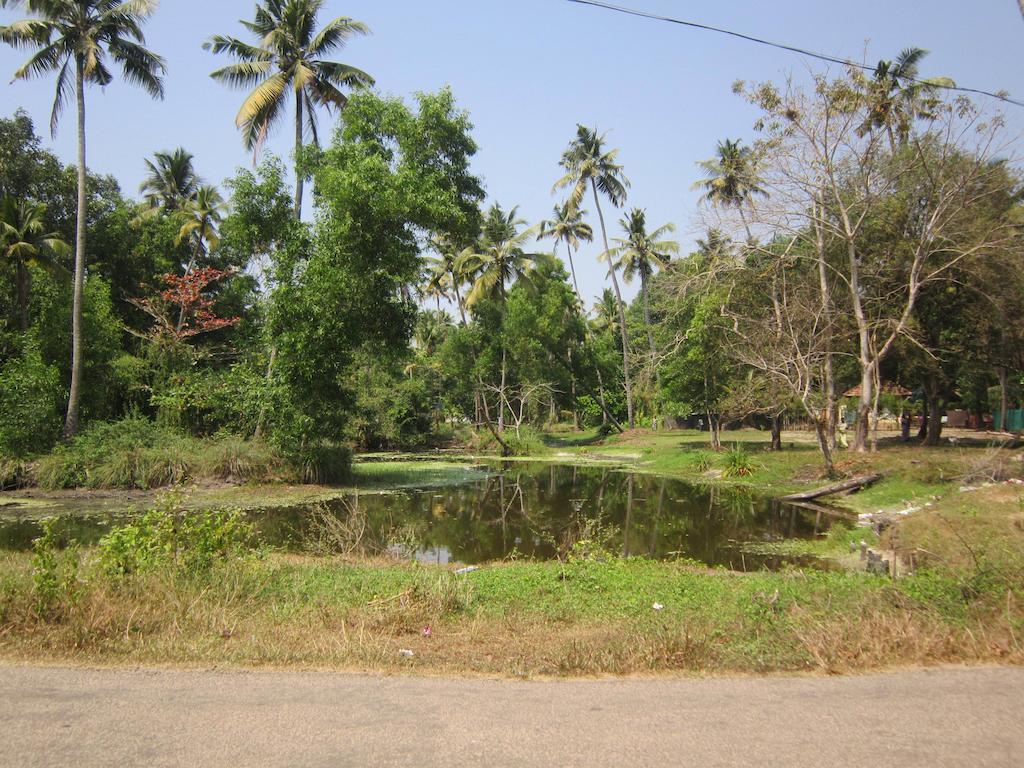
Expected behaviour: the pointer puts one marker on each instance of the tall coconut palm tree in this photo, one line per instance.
(288, 56)
(896, 96)
(436, 280)
(567, 226)
(640, 253)
(431, 329)
(444, 275)
(606, 314)
(77, 39)
(731, 178)
(171, 180)
(204, 211)
(588, 166)
(25, 243)
(498, 259)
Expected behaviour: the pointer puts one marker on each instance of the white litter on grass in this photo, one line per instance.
(657, 606)
(406, 653)
(468, 569)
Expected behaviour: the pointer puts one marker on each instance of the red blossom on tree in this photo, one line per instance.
(185, 307)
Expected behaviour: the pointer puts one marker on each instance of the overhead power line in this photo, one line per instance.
(782, 46)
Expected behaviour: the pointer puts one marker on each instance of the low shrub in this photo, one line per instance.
(325, 464)
(138, 453)
(738, 463)
(169, 536)
(54, 571)
(702, 461)
(525, 441)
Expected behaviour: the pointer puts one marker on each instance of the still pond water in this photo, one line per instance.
(484, 513)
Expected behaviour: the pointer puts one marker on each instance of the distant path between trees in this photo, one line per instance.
(80, 717)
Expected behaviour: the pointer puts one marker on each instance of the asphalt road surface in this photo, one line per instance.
(85, 718)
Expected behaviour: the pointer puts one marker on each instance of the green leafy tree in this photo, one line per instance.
(391, 178)
(589, 166)
(75, 39)
(30, 400)
(27, 171)
(289, 56)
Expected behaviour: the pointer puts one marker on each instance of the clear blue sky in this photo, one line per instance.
(529, 70)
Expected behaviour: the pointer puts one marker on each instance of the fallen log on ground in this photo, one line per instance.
(810, 506)
(850, 484)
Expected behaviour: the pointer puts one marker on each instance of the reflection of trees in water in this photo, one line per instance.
(537, 509)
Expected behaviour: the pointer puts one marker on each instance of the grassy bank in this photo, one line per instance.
(509, 619)
(135, 453)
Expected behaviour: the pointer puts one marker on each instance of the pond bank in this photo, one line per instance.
(514, 619)
(588, 613)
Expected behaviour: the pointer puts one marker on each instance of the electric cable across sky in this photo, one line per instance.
(1001, 96)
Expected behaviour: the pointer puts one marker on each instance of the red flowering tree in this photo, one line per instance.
(185, 307)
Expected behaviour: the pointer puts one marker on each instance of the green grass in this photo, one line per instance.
(526, 618)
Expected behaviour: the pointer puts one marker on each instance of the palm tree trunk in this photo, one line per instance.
(746, 226)
(188, 271)
(572, 267)
(458, 299)
(71, 420)
(501, 390)
(1004, 380)
(646, 296)
(622, 313)
(23, 295)
(262, 417)
(299, 181)
(572, 384)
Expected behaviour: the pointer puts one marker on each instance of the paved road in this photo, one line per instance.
(76, 717)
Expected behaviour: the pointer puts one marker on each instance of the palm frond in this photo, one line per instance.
(336, 33)
(243, 74)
